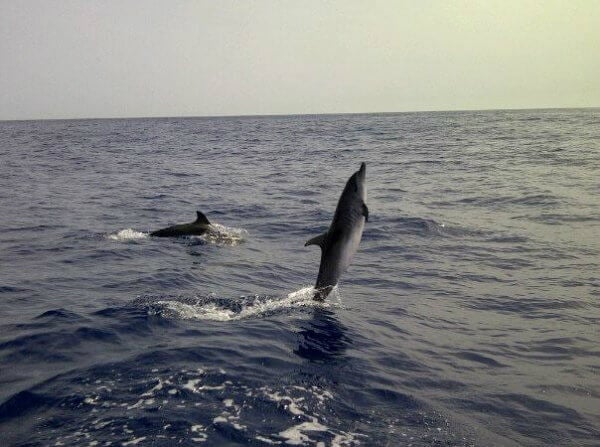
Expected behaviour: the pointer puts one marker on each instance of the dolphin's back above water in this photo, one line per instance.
(196, 228)
(340, 242)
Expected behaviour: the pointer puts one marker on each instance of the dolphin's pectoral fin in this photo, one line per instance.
(319, 240)
(201, 218)
(365, 211)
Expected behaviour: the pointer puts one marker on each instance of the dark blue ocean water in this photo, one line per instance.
(470, 315)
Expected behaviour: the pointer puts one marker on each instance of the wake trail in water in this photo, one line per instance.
(216, 309)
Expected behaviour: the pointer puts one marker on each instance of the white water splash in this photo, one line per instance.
(249, 307)
(129, 234)
(222, 235)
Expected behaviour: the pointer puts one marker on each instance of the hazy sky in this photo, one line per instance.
(62, 59)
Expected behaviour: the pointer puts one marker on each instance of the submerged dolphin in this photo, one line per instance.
(340, 242)
(200, 226)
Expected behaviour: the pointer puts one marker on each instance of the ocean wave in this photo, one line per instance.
(495, 202)
(407, 225)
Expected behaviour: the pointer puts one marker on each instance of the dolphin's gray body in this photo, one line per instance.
(200, 226)
(340, 242)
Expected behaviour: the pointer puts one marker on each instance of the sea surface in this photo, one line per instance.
(469, 317)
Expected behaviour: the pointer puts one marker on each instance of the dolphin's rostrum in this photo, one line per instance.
(197, 228)
(340, 242)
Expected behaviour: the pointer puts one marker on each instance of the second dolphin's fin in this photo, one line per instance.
(201, 219)
(365, 211)
(319, 240)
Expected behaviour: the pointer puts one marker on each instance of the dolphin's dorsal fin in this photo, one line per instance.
(201, 219)
(319, 240)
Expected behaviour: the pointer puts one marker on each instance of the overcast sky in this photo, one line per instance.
(69, 59)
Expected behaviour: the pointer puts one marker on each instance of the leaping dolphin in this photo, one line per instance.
(340, 242)
(197, 228)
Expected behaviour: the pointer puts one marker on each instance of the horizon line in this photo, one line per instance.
(269, 115)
